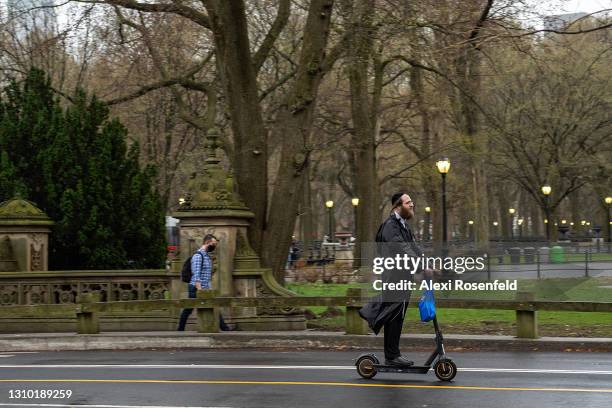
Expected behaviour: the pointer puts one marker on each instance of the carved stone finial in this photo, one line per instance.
(212, 187)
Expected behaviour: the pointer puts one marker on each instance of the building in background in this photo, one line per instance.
(560, 22)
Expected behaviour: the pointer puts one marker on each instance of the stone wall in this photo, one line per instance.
(63, 287)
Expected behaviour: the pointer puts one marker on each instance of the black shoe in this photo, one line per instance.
(400, 361)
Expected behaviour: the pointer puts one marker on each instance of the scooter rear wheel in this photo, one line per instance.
(445, 369)
(365, 367)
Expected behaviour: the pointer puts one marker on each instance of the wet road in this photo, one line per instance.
(300, 379)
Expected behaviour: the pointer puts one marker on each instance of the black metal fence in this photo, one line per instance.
(504, 259)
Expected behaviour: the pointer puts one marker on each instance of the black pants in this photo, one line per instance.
(393, 331)
(187, 312)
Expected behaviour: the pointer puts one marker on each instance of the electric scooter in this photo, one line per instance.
(444, 368)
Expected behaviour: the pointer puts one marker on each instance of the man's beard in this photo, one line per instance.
(406, 214)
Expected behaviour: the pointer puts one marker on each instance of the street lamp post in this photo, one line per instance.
(427, 223)
(608, 201)
(355, 202)
(443, 166)
(546, 190)
(356, 250)
(471, 229)
(330, 205)
(511, 211)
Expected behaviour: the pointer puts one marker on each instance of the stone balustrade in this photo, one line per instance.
(66, 287)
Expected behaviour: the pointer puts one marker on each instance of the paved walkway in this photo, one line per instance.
(307, 339)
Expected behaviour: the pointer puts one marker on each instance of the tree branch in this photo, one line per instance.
(284, 11)
(184, 114)
(335, 52)
(276, 85)
(175, 8)
(549, 30)
(483, 17)
(544, 30)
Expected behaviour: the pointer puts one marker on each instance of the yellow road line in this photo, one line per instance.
(333, 384)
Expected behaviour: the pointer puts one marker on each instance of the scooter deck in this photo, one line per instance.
(381, 368)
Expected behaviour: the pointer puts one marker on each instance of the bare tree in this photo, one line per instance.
(550, 121)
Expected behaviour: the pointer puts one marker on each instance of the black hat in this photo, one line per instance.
(395, 198)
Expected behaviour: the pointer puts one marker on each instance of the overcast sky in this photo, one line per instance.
(542, 7)
(587, 6)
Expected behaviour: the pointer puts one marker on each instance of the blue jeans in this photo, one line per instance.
(187, 312)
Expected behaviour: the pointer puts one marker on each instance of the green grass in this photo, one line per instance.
(499, 322)
(596, 257)
(479, 321)
(556, 289)
(323, 289)
(569, 257)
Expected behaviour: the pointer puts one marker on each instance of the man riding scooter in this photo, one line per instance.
(388, 310)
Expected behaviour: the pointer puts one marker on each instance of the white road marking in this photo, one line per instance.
(100, 406)
(294, 367)
(533, 370)
(180, 366)
(13, 353)
(24, 352)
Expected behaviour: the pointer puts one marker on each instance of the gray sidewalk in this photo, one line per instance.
(307, 339)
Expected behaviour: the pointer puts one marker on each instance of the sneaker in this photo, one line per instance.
(400, 361)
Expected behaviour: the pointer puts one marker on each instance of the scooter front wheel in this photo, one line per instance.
(445, 369)
(365, 367)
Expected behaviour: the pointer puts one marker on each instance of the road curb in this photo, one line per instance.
(286, 340)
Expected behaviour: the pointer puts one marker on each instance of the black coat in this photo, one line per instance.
(392, 238)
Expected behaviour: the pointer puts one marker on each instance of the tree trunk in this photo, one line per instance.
(468, 67)
(576, 203)
(271, 229)
(504, 217)
(307, 217)
(295, 123)
(430, 142)
(364, 115)
(537, 223)
(239, 80)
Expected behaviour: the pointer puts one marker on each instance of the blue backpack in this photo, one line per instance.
(427, 306)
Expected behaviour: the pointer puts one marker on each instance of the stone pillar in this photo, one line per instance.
(526, 320)
(24, 236)
(212, 206)
(194, 225)
(354, 323)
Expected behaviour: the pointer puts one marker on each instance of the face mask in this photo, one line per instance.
(211, 248)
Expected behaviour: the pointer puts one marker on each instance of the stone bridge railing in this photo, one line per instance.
(63, 287)
(51, 288)
(88, 309)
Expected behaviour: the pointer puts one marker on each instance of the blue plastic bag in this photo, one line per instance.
(427, 306)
